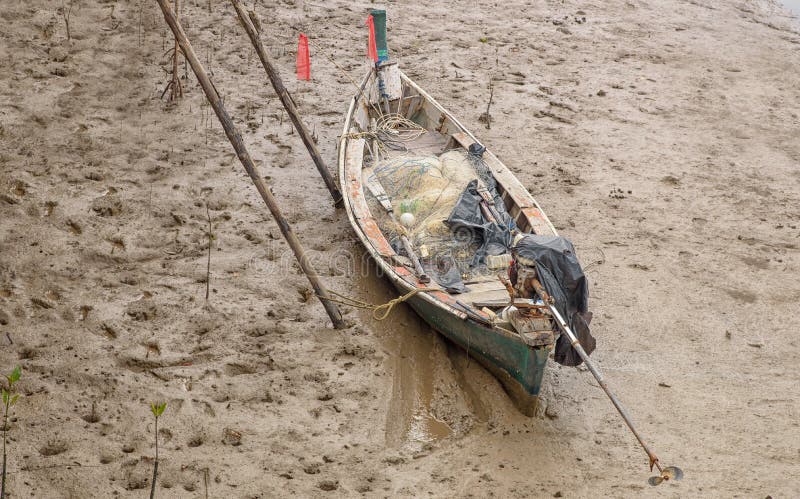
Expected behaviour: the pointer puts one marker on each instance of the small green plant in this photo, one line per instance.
(9, 400)
(157, 410)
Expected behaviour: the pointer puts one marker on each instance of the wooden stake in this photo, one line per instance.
(489, 106)
(177, 89)
(65, 13)
(208, 265)
(241, 151)
(174, 85)
(288, 103)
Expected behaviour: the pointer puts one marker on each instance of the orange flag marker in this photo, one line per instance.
(303, 59)
(372, 47)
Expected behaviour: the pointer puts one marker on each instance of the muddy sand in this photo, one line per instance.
(661, 137)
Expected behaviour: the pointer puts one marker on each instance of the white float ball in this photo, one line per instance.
(407, 219)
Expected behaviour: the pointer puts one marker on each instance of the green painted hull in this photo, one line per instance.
(518, 366)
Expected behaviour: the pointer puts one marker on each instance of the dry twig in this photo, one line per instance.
(174, 86)
(66, 11)
(210, 239)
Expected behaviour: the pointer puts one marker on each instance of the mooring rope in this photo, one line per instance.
(392, 131)
(379, 312)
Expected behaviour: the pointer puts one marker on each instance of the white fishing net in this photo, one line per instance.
(428, 187)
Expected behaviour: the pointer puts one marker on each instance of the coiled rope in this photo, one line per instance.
(392, 131)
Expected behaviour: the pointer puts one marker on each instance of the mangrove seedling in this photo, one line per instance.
(157, 410)
(9, 400)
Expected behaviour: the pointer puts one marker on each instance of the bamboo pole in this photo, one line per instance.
(241, 151)
(288, 103)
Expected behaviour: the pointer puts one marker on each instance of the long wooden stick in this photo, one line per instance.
(288, 103)
(576, 344)
(241, 151)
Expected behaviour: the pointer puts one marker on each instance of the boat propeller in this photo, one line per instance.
(667, 474)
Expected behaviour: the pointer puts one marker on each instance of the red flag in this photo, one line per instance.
(303, 59)
(372, 47)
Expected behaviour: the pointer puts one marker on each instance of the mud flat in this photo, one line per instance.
(661, 137)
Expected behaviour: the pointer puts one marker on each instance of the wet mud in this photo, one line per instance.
(661, 136)
(410, 423)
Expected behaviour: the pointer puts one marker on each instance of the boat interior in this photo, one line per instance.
(406, 154)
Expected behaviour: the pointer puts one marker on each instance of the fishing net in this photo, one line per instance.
(428, 187)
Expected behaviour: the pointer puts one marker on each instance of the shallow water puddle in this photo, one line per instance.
(410, 424)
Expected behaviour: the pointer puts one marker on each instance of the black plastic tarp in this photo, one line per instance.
(467, 221)
(562, 277)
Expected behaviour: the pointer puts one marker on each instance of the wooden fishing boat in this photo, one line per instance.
(517, 359)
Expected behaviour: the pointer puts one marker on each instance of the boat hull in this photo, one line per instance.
(518, 366)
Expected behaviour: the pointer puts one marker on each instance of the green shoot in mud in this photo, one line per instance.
(157, 410)
(9, 400)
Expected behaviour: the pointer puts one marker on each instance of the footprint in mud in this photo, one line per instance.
(106, 457)
(49, 208)
(235, 369)
(759, 263)
(117, 243)
(208, 410)
(107, 206)
(84, 312)
(18, 188)
(54, 448)
(27, 353)
(142, 310)
(217, 203)
(197, 440)
(109, 331)
(92, 416)
(165, 434)
(74, 227)
(231, 437)
(742, 295)
(137, 475)
(250, 236)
